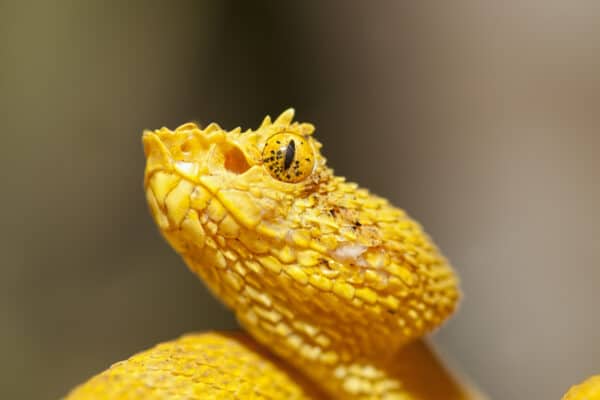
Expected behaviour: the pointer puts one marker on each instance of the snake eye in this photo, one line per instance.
(288, 157)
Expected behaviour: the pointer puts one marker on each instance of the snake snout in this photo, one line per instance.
(155, 150)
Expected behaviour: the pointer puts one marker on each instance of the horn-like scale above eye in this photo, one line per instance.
(288, 157)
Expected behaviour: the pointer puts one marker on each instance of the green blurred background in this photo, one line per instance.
(482, 119)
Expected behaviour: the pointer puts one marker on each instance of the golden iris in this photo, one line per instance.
(288, 157)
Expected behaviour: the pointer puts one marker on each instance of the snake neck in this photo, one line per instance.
(342, 364)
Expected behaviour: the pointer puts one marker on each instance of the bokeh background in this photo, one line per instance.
(482, 119)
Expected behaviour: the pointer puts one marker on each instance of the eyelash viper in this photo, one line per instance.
(335, 286)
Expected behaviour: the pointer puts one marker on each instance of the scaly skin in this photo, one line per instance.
(587, 390)
(336, 282)
(201, 366)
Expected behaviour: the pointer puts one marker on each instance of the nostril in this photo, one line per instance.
(235, 161)
(186, 147)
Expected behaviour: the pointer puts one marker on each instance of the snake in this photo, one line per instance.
(335, 288)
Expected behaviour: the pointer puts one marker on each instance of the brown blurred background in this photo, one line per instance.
(482, 119)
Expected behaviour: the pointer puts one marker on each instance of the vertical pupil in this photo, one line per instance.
(290, 152)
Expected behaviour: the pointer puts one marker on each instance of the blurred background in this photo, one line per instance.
(482, 119)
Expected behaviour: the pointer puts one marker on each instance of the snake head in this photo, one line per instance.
(318, 265)
(254, 176)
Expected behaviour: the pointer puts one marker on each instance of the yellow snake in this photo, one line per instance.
(335, 286)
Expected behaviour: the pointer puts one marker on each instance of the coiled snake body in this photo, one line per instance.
(335, 286)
